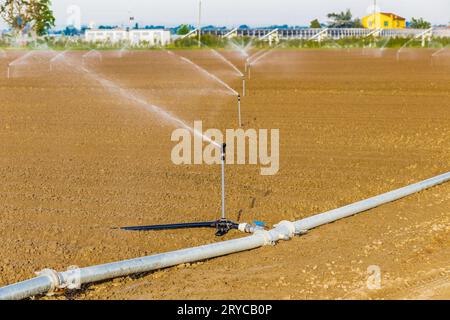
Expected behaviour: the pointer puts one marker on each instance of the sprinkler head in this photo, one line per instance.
(239, 97)
(224, 151)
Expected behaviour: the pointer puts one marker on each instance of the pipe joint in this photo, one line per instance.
(55, 279)
(285, 230)
(245, 227)
(267, 236)
(249, 228)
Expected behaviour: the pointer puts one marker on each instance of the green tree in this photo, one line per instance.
(42, 16)
(357, 23)
(420, 24)
(35, 14)
(183, 29)
(13, 12)
(315, 24)
(343, 19)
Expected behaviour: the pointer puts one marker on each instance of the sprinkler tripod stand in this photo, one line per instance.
(222, 226)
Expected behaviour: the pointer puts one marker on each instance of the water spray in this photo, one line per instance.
(139, 101)
(8, 71)
(439, 51)
(256, 54)
(243, 86)
(240, 49)
(422, 35)
(222, 225)
(92, 52)
(259, 57)
(56, 58)
(247, 67)
(213, 77)
(228, 62)
(205, 72)
(19, 60)
(122, 52)
(435, 54)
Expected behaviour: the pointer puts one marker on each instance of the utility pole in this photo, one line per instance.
(199, 22)
(130, 20)
(374, 14)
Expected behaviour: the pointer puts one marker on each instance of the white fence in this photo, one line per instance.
(334, 33)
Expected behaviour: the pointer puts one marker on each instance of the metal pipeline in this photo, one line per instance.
(49, 280)
(52, 280)
(364, 205)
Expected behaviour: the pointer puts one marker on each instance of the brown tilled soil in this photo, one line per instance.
(78, 159)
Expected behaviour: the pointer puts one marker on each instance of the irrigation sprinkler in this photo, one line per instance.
(222, 225)
(398, 55)
(247, 67)
(48, 280)
(19, 60)
(423, 35)
(222, 163)
(239, 110)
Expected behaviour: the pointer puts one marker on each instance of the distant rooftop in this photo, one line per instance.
(393, 15)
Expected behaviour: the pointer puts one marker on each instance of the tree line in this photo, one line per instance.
(36, 17)
(345, 19)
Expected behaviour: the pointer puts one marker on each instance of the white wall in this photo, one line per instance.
(106, 35)
(152, 36)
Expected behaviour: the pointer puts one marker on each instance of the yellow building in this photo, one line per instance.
(384, 20)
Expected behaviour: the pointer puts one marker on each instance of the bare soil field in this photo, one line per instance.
(78, 159)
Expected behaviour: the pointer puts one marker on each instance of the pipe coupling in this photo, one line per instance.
(55, 278)
(268, 239)
(285, 230)
(245, 227)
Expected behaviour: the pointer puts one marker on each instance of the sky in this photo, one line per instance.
(237, 12)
